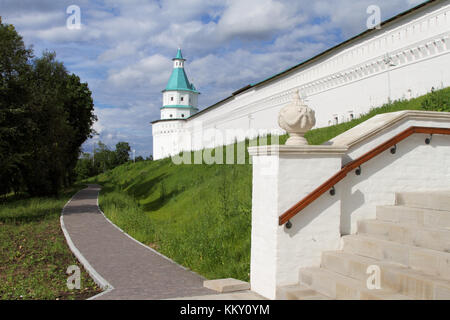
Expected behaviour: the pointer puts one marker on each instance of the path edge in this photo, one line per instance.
(98, 279)
(144, 245)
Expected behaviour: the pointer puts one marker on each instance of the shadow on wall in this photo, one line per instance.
(353, 200)
(311, 212)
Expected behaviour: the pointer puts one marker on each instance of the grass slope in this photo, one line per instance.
(196, 214)
(34, 255)
(199, 215)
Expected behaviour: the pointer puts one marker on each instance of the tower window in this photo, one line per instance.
(182, 115)
(182, 98)
(171, 98)
(171, 116)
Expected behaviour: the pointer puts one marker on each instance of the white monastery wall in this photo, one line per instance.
(404, 59)
(170, 135)
(415, 166)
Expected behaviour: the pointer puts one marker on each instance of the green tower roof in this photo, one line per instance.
(178, 79)
(179, 55)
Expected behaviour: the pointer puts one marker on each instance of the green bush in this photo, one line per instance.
(437, 101)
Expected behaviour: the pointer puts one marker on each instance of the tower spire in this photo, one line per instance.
(178, 61)
(179, 56)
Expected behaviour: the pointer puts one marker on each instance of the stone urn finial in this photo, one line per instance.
(296, 118)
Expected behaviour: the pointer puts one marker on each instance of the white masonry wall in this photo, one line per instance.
(286, 174)
(415, 166)
(170, 135)
(345, 83)
(281, 179)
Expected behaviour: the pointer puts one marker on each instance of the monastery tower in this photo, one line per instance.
(180, 98)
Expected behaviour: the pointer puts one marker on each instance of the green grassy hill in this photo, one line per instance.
(200, 215)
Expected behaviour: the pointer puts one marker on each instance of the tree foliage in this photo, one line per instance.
(122, 152)
(45, 116)
(103, 159)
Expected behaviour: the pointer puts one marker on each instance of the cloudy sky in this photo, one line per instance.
(124, 47)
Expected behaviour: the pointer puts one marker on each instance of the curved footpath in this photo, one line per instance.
(124, 267)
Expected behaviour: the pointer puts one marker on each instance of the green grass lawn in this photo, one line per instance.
(200, 215)
(34, 255)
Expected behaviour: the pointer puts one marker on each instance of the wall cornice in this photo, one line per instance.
(381, 122)
(281, 150)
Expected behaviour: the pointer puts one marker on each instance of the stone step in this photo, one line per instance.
(419, 236)
(226, 285)
(299, 292)
(415, 216)
(437, 200)
(340, 287)
(403, 280)
(432, 262)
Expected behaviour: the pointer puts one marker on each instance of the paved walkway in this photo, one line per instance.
(133, 270)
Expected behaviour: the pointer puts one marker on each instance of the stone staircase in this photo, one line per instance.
(410, 244)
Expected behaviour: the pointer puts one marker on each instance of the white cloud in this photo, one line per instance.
(350, 16)
(63, 34)
(154, 70)
(187, 35)
(32, 20)
(130, 123)
(124, 47)
(182, 11)
(257, 18)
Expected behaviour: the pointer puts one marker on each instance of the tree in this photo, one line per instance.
(45, 116)
(62, 110)
(79, 106)
(85, 167)
(105, 159)
(15, 130)
(122, 152)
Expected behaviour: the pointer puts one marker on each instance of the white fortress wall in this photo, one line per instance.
(167, 138)
(404, 59)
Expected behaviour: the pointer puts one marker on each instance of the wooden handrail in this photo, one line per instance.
(331, 182)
